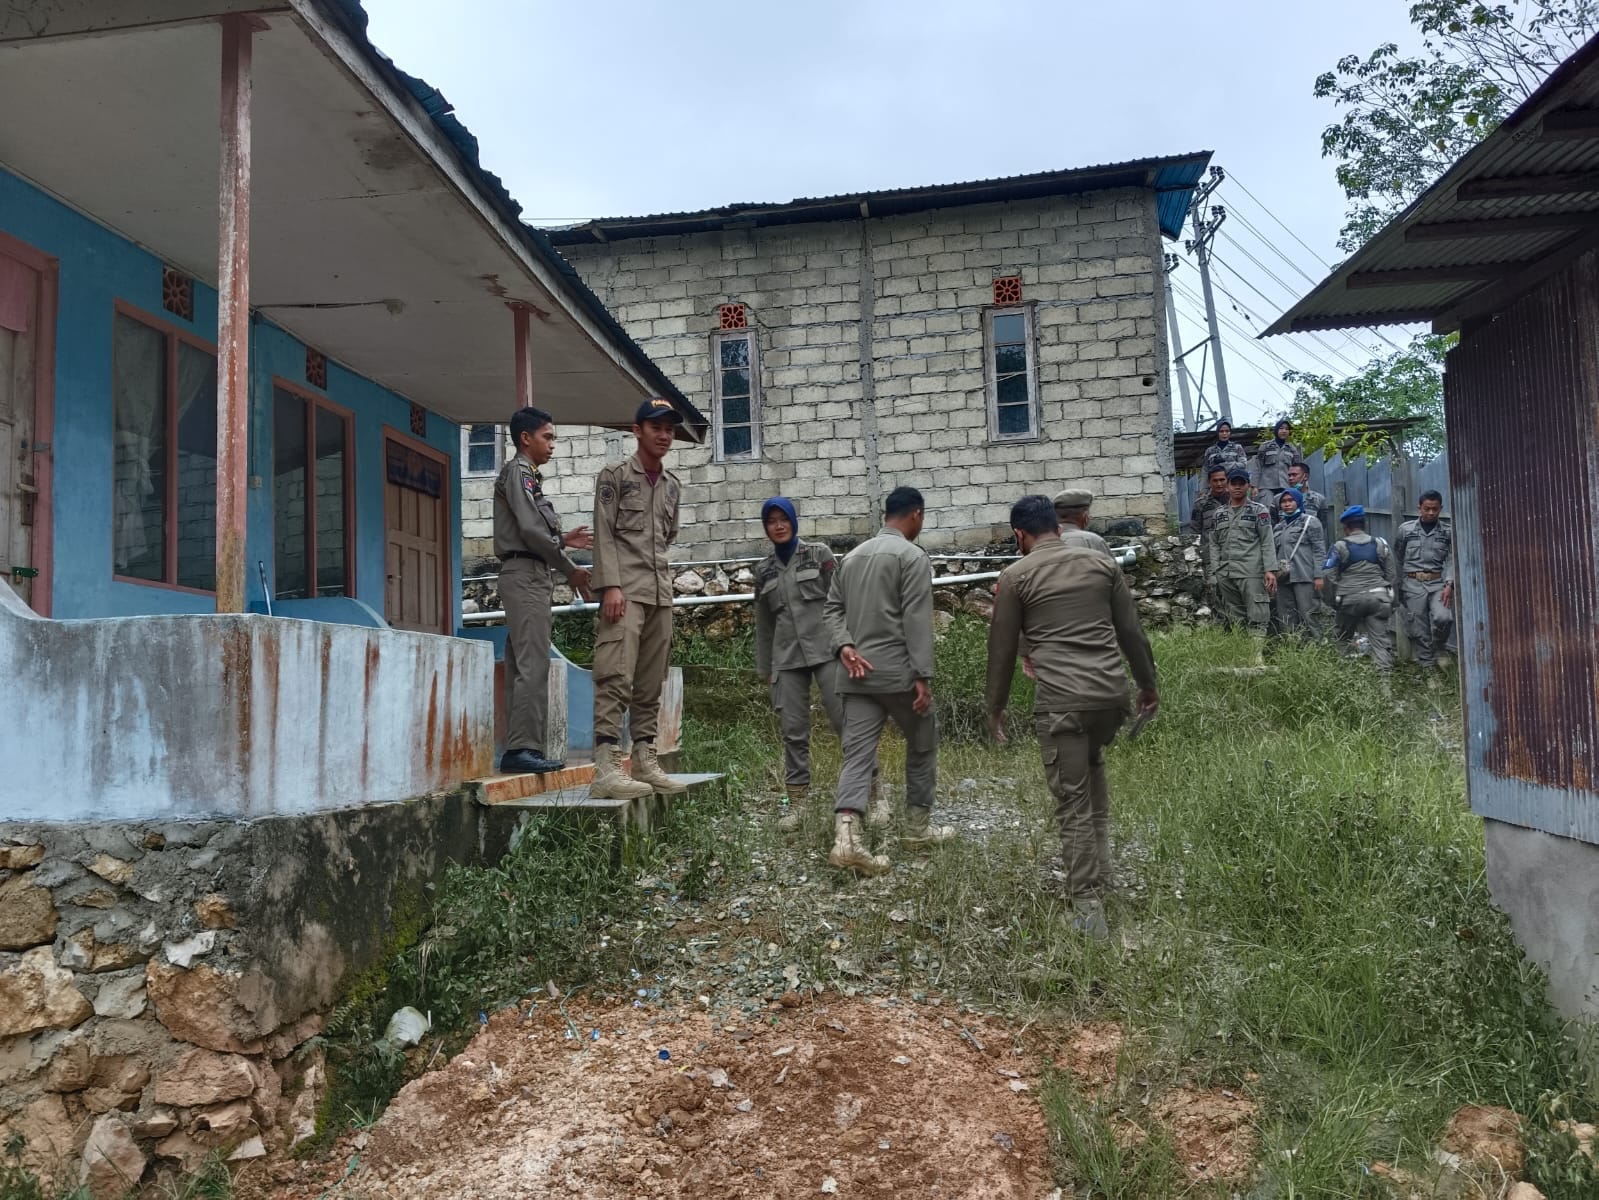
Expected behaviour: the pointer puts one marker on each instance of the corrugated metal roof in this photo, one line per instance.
(1173, 179)
(1529, 190)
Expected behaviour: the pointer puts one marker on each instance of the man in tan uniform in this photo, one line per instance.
(529, 544)
(1071, 508)
(635, 523)
(880, 622)
(1077, 613)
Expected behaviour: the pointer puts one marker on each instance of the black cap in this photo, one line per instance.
(1237, 473)
(657, 409)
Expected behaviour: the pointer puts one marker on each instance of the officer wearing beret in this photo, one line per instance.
(1364, 568)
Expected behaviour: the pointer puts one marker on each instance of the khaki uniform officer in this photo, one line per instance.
(1240, 555)
(1424, 552)
(529, 544)
(1074, 607)
(880, 623)
(635, 523)
(1364, 569)
(1071, 509)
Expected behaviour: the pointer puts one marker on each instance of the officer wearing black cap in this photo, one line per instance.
(635, 523)
(1240, 556)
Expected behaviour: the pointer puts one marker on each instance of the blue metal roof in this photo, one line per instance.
(1174, 191)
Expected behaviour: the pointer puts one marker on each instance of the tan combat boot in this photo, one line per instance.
(849, 847)
(881, 813)
(920, 831)
(647, 769)
(793, 810)
(609, 781)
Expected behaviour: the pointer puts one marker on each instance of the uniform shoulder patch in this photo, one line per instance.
(607, 492)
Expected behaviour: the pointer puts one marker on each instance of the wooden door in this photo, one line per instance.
(416, 539)
(24, 312)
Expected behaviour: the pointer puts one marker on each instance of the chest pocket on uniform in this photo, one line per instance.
(771, 594)
(632, 513)
(811, 584)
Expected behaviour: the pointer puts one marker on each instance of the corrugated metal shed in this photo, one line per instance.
(1525, 197)
(1173, 180)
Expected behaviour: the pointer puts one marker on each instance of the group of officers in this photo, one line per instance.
(857, 632)
(1269, 568)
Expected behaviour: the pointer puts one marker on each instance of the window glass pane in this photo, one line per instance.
(736, 412)
(736, 440)
(1013, 389)
(1013, 419)
(330, 515)
(736, 352)
(1009, 327)
(197, 468)
(481, 444)
(736, 382)
(139, 452)
(289, 459)
(1010, 360)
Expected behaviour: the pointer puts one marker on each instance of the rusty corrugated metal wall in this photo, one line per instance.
(1523, 398)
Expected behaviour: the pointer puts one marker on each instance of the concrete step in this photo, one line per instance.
(638, 815)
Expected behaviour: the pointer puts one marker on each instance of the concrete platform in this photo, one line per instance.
(506, 789)
(637, 816)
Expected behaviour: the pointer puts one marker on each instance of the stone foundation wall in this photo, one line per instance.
(159, 981)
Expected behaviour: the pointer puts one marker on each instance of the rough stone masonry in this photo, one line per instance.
(870, 348)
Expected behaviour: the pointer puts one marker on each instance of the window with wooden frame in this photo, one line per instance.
(483, 449)
(313, 487)
(163, 454)
(735, 396)
(1011, 367)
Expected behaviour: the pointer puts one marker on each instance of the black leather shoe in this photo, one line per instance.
(528, 762)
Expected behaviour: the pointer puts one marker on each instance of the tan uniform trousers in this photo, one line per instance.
(1073, 745)
(791, 697)
(865, 714)
(1368, 613)
(525, 594)
(1427, 620)
(630, 660)
(1296, 609)
(1243, 602)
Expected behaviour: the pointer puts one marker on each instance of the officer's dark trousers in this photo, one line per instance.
(525, 591)
(1073, 745)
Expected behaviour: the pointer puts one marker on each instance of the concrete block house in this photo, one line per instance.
(976, 340)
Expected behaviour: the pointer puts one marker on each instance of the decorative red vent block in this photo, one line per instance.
(177, 293)
(419, 421)
(316, 369)
(733, 316)
(1008, 290)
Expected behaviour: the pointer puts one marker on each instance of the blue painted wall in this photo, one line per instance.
(98, 268)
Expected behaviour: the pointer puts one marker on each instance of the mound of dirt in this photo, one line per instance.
(836, 1096)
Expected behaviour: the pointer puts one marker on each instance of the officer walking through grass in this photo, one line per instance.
(791, 646)
(1425, 567)
(1077, 614)
(880, 623)
(1240, 556)
(635, 523)
(1363, 568)
(530, 545)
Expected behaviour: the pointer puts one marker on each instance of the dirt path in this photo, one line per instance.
(834, 1096)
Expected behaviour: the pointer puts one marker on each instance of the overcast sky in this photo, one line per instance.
(634, 106)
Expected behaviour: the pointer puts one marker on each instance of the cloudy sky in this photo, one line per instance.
(643, 106)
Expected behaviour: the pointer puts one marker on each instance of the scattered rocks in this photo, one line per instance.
(27, 914)
(689, 583)
(36, 994)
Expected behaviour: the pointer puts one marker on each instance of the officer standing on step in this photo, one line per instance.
(1364, 569)
(1424, 554)
(529, 544)
(1077, 613)
(635, 524)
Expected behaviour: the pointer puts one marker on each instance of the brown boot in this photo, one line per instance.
(920, 831)
(609, 781)
(647, 769)
(881, 813)
(793, 810)
(849, 847)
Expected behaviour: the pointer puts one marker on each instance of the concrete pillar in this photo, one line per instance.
(520, 314)
(233, 316)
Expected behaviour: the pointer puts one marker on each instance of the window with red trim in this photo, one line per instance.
(311, 490)
(163, 456)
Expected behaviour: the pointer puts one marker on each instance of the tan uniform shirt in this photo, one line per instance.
(1074, 607)
(635, 524)
(525, 522)
(790, 630)
(1238, 542)
(1073, 536)
(881, 603)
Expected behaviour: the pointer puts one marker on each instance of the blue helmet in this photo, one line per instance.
(1354, 512)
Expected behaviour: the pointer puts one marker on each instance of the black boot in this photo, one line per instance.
(528, 762)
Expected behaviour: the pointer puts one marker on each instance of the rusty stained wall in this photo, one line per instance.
(232, 716)
(1522, 396)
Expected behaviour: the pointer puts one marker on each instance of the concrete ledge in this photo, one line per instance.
(635, 816)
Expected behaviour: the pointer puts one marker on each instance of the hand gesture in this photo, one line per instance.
(579, 539)
(854, 665)
(613, 605)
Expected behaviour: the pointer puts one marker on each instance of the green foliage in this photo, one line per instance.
(213, 1181)
(1107, 1164)
(1407, 384)
(16, 1181)
(1556, 1164)
(1406, 118)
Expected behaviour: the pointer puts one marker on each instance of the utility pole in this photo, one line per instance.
(1207, 220)
(1177, 346)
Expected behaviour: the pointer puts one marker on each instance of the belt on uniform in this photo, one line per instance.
(1424, 576)
(510, 554)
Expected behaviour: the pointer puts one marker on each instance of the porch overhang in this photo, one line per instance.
(376, 236)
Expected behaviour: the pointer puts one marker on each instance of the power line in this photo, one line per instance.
(1256, 319)
(1276, 381)
(1248, 336)
(1261, 204)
